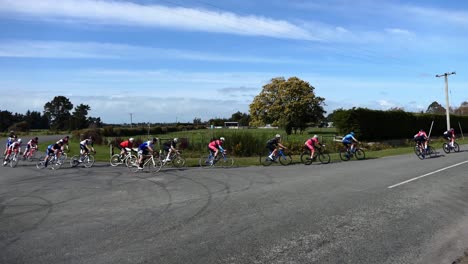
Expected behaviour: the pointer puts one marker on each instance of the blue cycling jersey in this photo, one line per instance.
(348, 138)
(145, 145)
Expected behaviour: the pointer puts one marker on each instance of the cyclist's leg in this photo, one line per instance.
(272, 150)
(311, 150)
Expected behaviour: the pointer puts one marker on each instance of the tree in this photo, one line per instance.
(435, 108)
(242, 118)
(197, 121)
(58, 112)
(290, 103)
(79, 116)
(462, 109)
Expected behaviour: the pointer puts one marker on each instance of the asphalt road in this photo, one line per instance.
(343, 212)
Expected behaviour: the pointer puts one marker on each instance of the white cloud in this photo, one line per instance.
(99, 50)
(133, 14)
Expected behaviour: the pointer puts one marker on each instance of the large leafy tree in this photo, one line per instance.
(80, 116)
(435, 108)
(462, 109)
(58, 112)
(291, 104)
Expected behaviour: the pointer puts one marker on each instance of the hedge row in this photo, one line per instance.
(370, 125)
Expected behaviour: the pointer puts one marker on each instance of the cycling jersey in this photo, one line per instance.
(86, 142)
(215, 145)
(348, 139)
(167, 145)
(126, 144)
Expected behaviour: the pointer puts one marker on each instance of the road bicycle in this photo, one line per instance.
(447, 147)
(11, 160)
(222, 160)
(53, 162)
(86, 159)
(128, 159)
(151, 164)
(422, 152)
(175, 159)
(346, 154)
(30, 155)
(283, 158)
(319, 153)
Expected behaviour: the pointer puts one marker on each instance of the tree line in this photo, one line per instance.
(57, 115)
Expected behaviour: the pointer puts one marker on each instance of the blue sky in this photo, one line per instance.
(174, 60)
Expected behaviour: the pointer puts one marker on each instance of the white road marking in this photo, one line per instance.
(427, 174)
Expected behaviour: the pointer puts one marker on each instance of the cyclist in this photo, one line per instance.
(14, 147)
(420, 138)
(11, 138)
(144, 149)
(85, 147)
(170, 147)
(125, 146)
(215, 146)
(31, 144)
(310, 144)
(450, 136)
(348, 140)
(64, 142)
(53, 149)
(272, 146)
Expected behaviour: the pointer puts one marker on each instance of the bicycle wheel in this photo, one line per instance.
(285, 159)
(324, 158)
(178, 162)
(265, 160)
(456, 147)
(360, 154)
(205, 162)
(446, 148)
(131, 160)
(305, 158)
(88, 161)
(224, 162)
(40, 164)
(13, 160)
(115, 160)
(55, 163)
(74, 161)
(431, 151)
(419, 153)
(344, 155)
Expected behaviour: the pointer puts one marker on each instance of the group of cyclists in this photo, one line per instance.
(311, 144)
(215, 146)
(147, 147)
(13, 145)
(422, 139)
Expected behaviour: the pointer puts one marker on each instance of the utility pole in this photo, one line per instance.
(447, 110)
(131, 122)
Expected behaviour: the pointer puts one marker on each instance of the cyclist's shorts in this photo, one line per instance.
(271, 147)
(309, 146)
(419, 139)
(212, 149)
(347, 142)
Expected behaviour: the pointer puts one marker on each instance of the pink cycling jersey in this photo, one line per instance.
(214, 144)
(311, 143)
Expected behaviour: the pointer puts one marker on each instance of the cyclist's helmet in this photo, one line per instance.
(352, 133)
(155, 140)
(175, 140)
(131, 139)
(451, 129)
(19, 140)
(221, 138)
(421, 130)
(36, 138)
(315, 136)
(278, 136)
